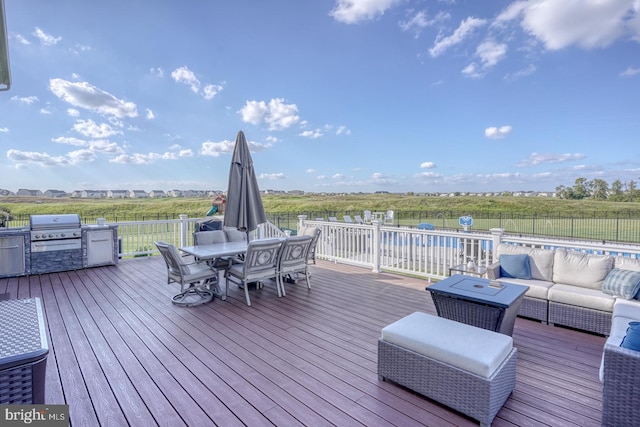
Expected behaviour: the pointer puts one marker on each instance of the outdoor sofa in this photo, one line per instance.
(596, 293)
(567, 288)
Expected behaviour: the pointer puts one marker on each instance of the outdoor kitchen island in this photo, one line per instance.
(54, 243)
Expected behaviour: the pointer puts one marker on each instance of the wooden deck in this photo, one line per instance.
(122, 354)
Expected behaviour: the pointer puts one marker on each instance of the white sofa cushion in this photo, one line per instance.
(469, 348)
(580, 269)
(627, 263)
(581, 297)
(537, 288)
(540, 260)
(624, 311)
(541, 263)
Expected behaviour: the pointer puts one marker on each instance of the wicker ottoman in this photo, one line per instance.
(23, 352)
(469, 369)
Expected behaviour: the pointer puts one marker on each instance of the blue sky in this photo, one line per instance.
(333, 95)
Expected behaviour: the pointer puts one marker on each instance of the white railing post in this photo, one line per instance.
(184, 226)
(375, 247)
(301, 219)
(496, 236)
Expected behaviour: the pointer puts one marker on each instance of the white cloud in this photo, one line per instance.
(139, 159)
(158, 72)
(209, 91)
(45, 111)
(70, 140)
(22, 39)
(427, 165)
(46, 39)
(89, 97)
(466, 28)
(585, 23)
(42, 159)
(490, 53)
(310, 170)
(541, 158)
(428, 175)
(4, 129)
(342, 130)
(521, 73)
(354, 11)
(25, 99)
(91, 129)
(79, 48)
(106, 147)
(420, 20)
(214, 149)
(271, 176)
(277, 115)
(150, 115)
(313, 134)
(185, 76)
(497, 133)
(630, 72)
(82, 156)
(72, 112)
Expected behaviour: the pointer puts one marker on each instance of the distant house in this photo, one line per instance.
(55, 193)
(191, 193)
(174, 193)
(117, 194)
(4, 192)
(138, 194)
(93, 194)
(157, 194)
(26, 192)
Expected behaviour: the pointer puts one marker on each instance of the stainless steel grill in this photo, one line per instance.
(56, 243)
(55, 227)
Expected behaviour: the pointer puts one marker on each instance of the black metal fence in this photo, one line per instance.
(610, 227)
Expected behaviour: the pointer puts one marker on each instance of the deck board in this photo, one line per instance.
(122, 354)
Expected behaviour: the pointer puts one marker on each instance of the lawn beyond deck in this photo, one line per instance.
(122, 354)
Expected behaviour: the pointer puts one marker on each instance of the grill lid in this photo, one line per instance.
(55, 222)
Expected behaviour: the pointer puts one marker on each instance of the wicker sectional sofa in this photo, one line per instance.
(620, 370)
(565, 287)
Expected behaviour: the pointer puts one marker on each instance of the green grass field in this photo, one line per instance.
(599, 220)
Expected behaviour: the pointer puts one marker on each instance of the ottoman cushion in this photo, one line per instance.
(469, 348)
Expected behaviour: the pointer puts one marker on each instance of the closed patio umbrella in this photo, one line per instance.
(244, 205)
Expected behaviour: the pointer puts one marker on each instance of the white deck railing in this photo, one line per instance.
(430, 253)
(423, 253)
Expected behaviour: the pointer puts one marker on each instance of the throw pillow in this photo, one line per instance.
(632, 339)
(622, 283)
(515, 266)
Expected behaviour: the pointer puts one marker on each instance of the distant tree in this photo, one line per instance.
(632, 192)
(563, 192)
(599, 189)
(616, 188)
(581, 189)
